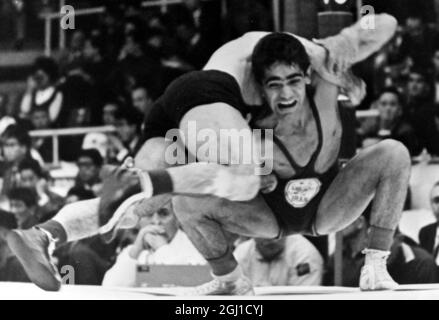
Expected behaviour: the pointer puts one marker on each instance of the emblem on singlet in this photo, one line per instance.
(300, 192)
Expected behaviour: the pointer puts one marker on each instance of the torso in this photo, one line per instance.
(302, 145)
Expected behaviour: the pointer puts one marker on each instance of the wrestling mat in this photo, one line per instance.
(28, 291)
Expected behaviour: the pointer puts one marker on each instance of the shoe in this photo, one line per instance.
(374, 274)
(34, 248)
(240, 287)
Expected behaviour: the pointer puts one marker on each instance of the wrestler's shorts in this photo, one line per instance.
(295, 219)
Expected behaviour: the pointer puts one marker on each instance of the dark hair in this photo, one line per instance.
(423, 72)
(93, 154)
(278, 47)
(81, 193)
(131, 115)
(31, 164)
(392, 90)
(28, 196)
(48, 65)
(19, 133)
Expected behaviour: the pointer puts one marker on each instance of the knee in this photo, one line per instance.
(395, 154)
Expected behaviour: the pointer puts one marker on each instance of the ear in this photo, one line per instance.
(308, 74)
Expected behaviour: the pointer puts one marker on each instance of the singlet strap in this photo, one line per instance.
(310, 165)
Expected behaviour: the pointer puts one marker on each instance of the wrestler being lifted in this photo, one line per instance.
(306, 192)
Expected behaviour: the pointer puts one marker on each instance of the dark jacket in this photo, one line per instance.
(427, 236)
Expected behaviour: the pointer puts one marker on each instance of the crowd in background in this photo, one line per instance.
(111, 73)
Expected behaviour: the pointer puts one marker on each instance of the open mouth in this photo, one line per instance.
(287, 105)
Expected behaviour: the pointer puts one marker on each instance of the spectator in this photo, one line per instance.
(72, 57)
(89, 162)
(428, 235)
(435, 63)
(109, 112)
(142, 99)
(419, 41)
(159, 241)
(32, 177)
(407, 264)
(128, 122)
(390, 123)
(42, 89)
(16, 147)
(290, 261)
(78, 193)
(24, 205)
(40, 120)
(420, 110)
(5, 120)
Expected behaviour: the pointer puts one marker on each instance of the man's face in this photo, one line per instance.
(434, 201)
(42, 79)
(284, 88)
(126, 131)
(108, 114)
(40, 120)
(416, 86)
(12, 150)
(88, 171)
(141, 100)
(389, 107)
(414, 27)
(269, 248)
(19, 209)
(164, 218)
(28, 179)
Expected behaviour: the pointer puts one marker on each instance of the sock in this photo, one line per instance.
(380, 238)
(232, 276)
(55, 229)
(156, 182)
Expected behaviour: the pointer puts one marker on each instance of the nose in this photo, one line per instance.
(156, 220)
(286, 92)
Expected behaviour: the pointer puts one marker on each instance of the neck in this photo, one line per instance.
(295, 122)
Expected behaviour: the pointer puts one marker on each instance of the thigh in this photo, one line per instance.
(152, 154)
(349, 193)
(252, 218)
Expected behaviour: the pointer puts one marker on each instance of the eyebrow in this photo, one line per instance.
(289, 77)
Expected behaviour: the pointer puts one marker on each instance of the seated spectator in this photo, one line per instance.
(407, 264)
(15, 147)
(419, 41)
(33, 177)
(40, 120)
(128, 122)
(42, 89)
(109, 113)
(89, 163)
(159, 241)
(24, 205)
(142, 99)
(420, 110)
(290, 261)
(72, 57)
(429, 235)
(390, 123)
(91, 257)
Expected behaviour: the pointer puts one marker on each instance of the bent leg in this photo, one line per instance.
(379, 174)
(207, 220)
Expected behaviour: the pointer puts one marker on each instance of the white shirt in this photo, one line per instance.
(299, 265)
(179, 251)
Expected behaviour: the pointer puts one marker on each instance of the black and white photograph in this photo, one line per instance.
(219, 154)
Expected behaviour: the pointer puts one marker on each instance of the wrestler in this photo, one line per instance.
(305, 157)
